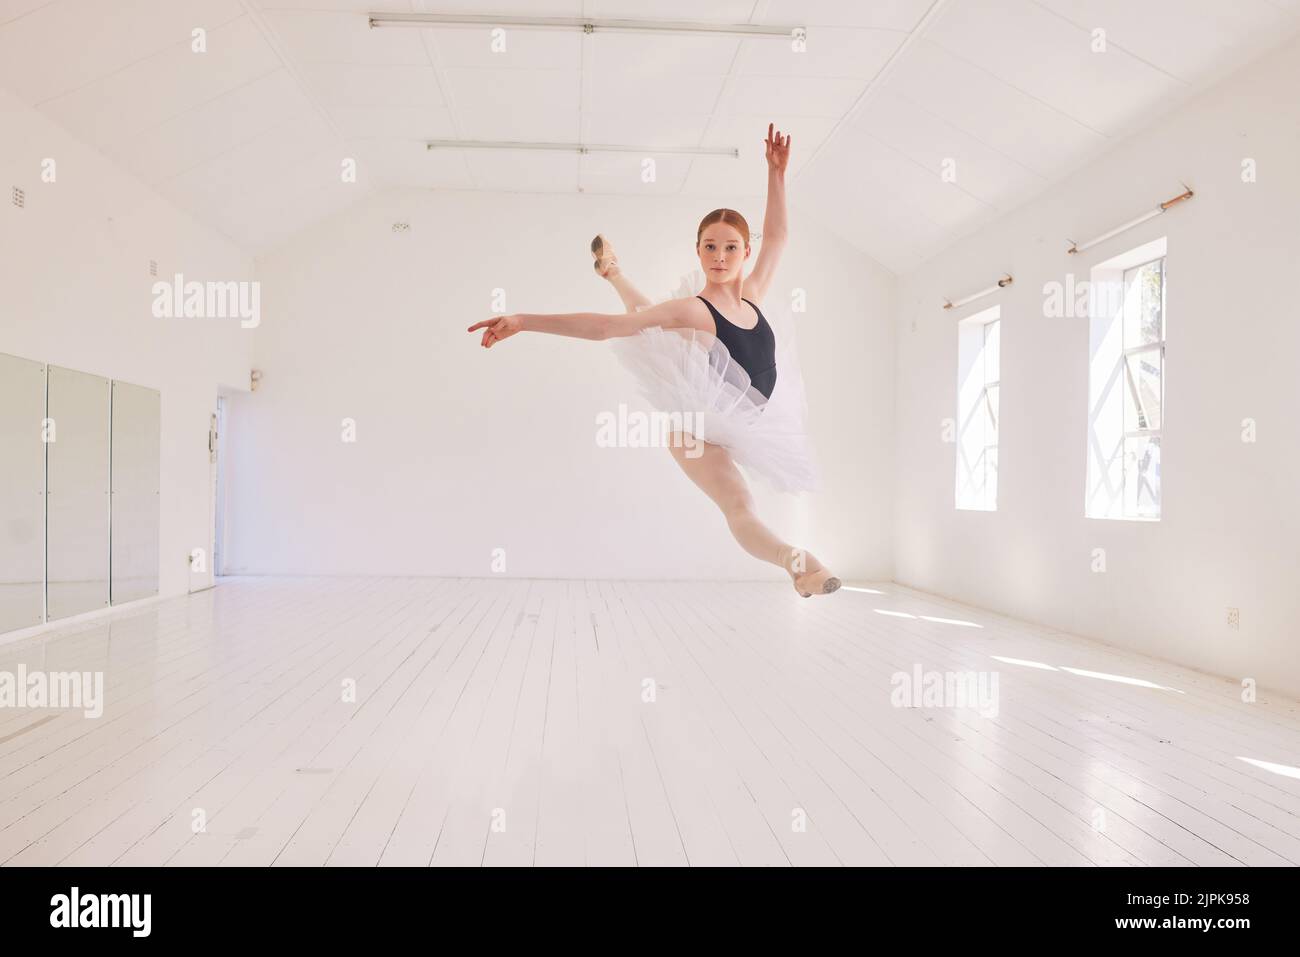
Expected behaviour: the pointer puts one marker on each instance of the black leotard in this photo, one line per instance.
(754, 349)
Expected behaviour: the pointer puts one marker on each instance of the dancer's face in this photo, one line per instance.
(722, 252)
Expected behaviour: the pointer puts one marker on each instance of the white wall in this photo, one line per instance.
(1230, 533)
(76, 292)
(461, 450)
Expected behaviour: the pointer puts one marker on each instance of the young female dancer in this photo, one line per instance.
(714, 355)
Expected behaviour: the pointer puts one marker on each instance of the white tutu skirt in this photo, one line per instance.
(690, 377)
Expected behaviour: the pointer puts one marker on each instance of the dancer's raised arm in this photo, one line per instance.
(775, 225)
(588, 325)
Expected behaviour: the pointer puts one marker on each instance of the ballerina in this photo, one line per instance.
(716, 356)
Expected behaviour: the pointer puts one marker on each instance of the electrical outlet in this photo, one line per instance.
(1234, 618)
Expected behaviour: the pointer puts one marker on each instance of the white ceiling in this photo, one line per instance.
(250, 136)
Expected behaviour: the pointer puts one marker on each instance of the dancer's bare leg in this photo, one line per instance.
(607, 266)
(633, 298)
(716, 474)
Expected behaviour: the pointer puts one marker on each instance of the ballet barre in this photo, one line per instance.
(1004, 281)
(1080, 247)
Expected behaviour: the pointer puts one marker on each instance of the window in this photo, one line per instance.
(977, 410)
(1126, 395)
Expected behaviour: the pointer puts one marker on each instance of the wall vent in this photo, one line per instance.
(153, 267)
(19, 198)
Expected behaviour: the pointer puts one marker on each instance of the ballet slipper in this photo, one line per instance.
(820, 582)
(817, 581)
(606, 260)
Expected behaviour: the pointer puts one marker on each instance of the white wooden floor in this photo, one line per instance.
(504, 722)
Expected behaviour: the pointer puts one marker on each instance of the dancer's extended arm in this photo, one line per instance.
(587, 325)
(775, 225)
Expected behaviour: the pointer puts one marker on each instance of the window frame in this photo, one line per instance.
(1119, 503)
(987, 462)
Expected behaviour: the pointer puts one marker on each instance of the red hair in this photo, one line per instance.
(728, 216)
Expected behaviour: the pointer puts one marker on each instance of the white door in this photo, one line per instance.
(218, 490)
(203, 558)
